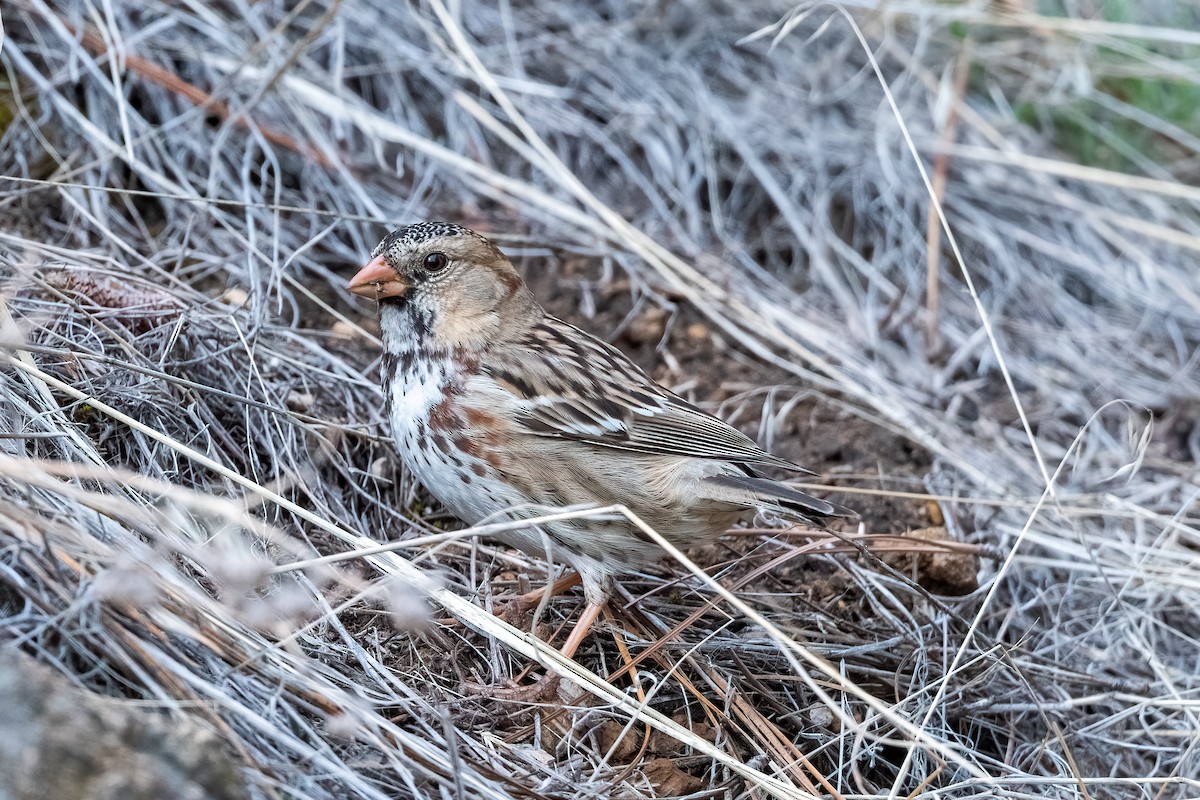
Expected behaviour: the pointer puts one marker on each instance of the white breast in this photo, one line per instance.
(413, 393)
(416, 391)
(451, 475)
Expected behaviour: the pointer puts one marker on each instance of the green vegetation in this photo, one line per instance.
(1092, 135)
(8, 109)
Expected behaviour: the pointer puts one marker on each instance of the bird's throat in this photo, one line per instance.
(405, 326)
(412, 359)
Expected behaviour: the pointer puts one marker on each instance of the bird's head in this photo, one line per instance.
(453, 283)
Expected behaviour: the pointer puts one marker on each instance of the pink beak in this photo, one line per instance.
(377, 280)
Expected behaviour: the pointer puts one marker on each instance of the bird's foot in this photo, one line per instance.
(549, 686)
(515, 610)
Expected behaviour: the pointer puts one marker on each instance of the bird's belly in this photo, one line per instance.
(458, 480)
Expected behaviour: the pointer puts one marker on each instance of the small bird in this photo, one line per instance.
(497, 406)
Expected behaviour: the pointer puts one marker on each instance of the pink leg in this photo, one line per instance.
(586, 620)
(545, 687)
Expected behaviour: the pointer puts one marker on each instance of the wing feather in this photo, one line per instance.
(581, 388)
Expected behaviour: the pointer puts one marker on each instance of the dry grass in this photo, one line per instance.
(188, 406)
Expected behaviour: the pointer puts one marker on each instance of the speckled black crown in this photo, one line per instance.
(410, 236)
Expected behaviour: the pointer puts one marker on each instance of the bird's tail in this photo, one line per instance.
(748, 490)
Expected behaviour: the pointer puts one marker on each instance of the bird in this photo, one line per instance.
(497, 407)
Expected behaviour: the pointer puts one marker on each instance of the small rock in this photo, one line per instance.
(954, 573)
(959, 572)
(300, 401)
(344, 330)
(669, 780)
(647, 327)
(821, 717)
(612, 733)
(664, 744)
(236, 297)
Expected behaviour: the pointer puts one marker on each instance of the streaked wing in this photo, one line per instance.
(581, 388)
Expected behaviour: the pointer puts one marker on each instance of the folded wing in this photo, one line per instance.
(585, 390)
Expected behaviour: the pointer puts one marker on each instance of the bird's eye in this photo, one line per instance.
(436, 262)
